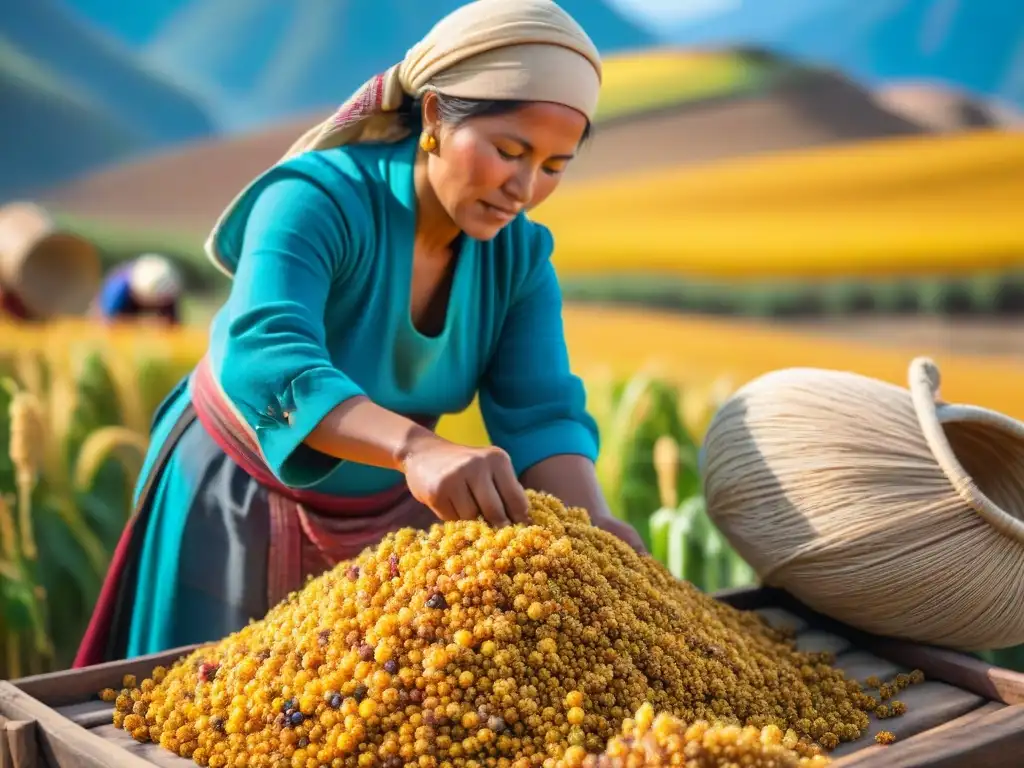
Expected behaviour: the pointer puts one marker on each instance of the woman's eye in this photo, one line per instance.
(549, 170)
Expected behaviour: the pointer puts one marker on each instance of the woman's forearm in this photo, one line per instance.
(572, 479)
(359, 430)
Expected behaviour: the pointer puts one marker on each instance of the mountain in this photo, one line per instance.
(181, 190)
(975, 45)
(103, 72)
(944, 108)
(725, 103)
(787, 108)
(262, 60)
(42, 151)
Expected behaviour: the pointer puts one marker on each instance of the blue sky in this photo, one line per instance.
(652, 12)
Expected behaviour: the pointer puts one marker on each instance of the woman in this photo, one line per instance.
(381, 279)
(146, 287)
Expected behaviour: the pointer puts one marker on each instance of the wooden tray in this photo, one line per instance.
(967, 714)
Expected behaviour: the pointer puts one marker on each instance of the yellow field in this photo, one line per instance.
(694, 351)
(75, 425)
(940, 204)
(646, 80)
(606, 343)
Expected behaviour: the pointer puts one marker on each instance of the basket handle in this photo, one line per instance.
(924, 381)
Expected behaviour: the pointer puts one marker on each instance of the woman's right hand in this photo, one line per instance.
(457, 482)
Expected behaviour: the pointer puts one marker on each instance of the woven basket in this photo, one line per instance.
(877, 505)
(51, 271)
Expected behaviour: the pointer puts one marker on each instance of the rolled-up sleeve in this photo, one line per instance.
(534, 407)
(275, 366)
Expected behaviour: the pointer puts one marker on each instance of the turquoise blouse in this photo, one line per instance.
(319, 312)
(321, 250)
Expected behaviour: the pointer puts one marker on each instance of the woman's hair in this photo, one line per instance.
(455, 111)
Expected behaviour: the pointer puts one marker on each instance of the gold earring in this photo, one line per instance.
(427, 142)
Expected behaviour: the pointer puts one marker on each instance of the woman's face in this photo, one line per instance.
(488, 169)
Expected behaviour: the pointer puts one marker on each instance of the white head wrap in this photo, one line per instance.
(154, 280)
(521, 50)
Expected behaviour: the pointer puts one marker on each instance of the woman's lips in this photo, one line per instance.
(501, 214)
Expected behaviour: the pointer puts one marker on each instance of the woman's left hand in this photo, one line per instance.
(622, 529)
(573, 479)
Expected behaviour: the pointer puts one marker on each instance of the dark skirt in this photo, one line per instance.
(196, 562)
(222, 573)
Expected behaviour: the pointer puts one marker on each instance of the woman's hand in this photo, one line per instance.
(457, 482)
(573, 479)
(622, 529)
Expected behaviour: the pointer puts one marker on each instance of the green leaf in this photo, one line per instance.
(715, 567)
(105, 515)
(19, 605)
(660, 529)
(680, 534)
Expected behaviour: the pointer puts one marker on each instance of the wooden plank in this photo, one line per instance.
(975, 714)
(22, 744)
(929, 704)
(816, 641)
(808, 638)
(62, 743)
(88, 714)
(746, 598)
(780, 618)
(959, 669)
(994, 739)
(5, 751)
(152, 754)
(75, 685)
(860, 665)
(877, 750)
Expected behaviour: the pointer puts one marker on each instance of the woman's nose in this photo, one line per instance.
(520, 186)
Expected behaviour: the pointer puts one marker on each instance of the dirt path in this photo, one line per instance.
(995, 338)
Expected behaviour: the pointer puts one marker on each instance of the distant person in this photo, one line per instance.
(149, 286)
(384, 273)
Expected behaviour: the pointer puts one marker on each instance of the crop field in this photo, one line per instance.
(894, 208)
(691, 350)
(656, 79)
(924, 226)
(76, 402)
(75, 406)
